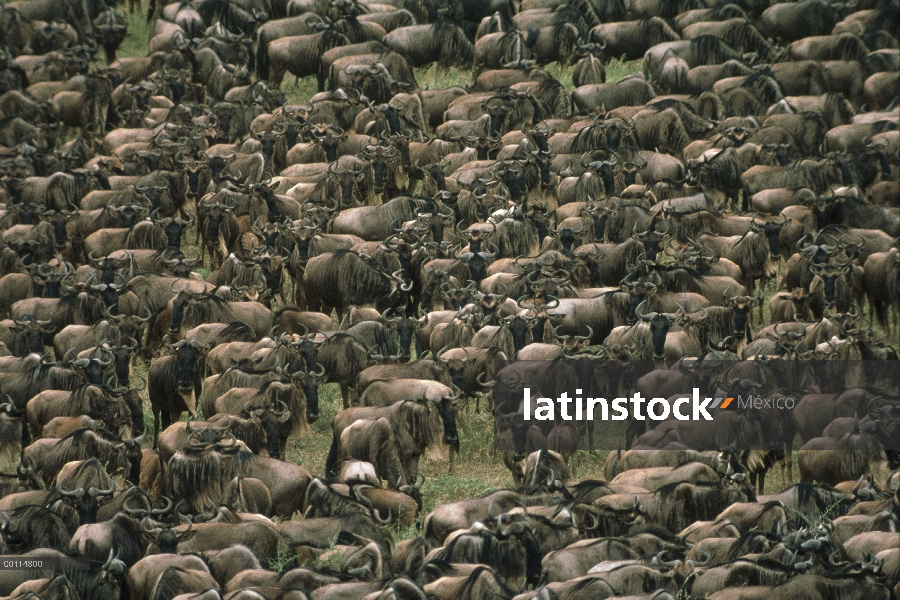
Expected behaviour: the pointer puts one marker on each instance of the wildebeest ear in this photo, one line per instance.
(185, 536)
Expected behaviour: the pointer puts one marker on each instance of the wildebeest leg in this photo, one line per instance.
(454, 450)
(590, 432)
(763, 283)
(156, 412)
(345, 394)
(634, 430)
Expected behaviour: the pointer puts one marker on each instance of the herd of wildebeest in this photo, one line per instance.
(472, 241)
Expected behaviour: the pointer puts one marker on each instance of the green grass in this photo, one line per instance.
(139, 29)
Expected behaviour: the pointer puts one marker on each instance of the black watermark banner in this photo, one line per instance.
(44, 563)
(759, 404)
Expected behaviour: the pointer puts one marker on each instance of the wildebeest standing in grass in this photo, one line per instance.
(298, 54)
(175, 383)
(338, 280)
(443, 42)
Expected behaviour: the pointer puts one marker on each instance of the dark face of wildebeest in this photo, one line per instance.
(613, 135)
(567, 239)
(477, 263)
(267, 141)
(519, 429)
(86, 502)
(193, 179)
(270, 421)
(58, 220)
(345, 180)
(518, 329)
(406, 329)
(659, 327)
(311, 391)
(181, 302)
(187, 361)
(166, 537)
(772, 231)
(122, 359)
(173, 228)
(741, 307)
(448, 419)
(129, 215)
(94, 369)
(659, 324)
(513, 175)
(34, 333)
(829, 276)
(215, 214)
(381, 168)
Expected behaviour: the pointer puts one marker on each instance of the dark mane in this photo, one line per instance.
(454, 47)
(211, 310)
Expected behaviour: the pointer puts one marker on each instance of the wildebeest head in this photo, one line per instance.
(447, 412)
(308, 382)
(498, 108)
(741, 306)
(186, 356)
(214, 213)
(651, 239)
(122, 351)
(181, 266)
(659, 326)
(345, 179)
(58, 221)
(455, 366)
(391, 114)
(519, 327)
(830, 274)
(614, 130)
(201, 438)
(514, 174)
(405, 328)
(173, 227)
(108, 292)
(270, 420)
(271, 267)
(129, 214)
(47, 278)
(86, 502)
(267, 141)
(384, 159)
(33, 331)
(602, 169)
(477, 263)
(165, 536)
(94, 369)
(568, 236)
(193, 169)
(515, 423)
(484, 145)
(800, 303)
(772, 231)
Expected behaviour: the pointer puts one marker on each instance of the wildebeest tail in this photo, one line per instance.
(262, 61)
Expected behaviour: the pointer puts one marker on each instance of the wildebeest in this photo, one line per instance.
(174, 383)
(340, 279)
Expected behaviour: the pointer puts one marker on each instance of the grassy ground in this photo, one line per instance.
(478, 468)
